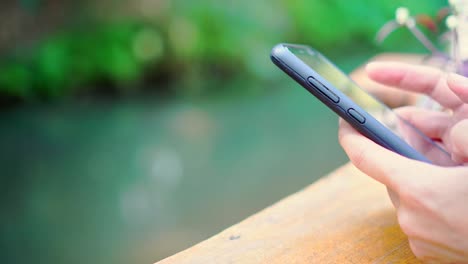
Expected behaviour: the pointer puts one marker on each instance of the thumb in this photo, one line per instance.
(378, 162)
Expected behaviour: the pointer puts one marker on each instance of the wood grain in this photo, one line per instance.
(345, 217)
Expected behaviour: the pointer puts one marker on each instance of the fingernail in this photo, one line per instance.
(458, 80)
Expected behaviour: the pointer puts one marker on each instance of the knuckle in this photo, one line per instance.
(406, 223)
(397, 175)
(359, 157)
(394, 198)
(409, 193)
(458, 137)
(418, 195)
(418, 249)
(415, 189)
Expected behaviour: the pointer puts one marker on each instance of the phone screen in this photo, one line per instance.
(342, 82)
(369, 103)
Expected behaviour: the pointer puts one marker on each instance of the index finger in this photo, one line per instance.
(415, 78)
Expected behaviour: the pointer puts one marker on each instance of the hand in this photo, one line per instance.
(450, 91)
(430, 200)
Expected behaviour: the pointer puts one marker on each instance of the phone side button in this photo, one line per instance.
(356, 115)
(324, 90)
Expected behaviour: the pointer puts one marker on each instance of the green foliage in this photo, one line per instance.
(15, 79)
(325, 23)
(191, 39)
(75, 58)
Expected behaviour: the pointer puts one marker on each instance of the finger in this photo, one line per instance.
(379, 163)
(390, 96)
(459, 141)
(433, 124)
(420, 127)
(414, 78)
(459, 85)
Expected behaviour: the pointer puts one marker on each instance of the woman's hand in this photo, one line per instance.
(451, 91)
(430, 200)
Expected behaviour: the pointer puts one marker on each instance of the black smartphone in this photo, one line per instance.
(342, 95)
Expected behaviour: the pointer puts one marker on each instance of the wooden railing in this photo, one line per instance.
(345, 217)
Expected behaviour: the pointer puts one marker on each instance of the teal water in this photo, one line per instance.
(136, 181)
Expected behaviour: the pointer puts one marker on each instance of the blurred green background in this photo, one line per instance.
(131, 130)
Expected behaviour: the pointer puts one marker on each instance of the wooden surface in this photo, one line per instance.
(344, 218)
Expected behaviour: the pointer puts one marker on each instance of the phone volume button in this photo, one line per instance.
(324, 90)
(356, 115)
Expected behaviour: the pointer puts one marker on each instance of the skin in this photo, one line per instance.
(390, 96)
(430, 200)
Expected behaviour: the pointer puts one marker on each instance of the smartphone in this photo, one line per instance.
(364, 112)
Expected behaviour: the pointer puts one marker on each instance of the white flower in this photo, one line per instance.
(451, 22)
(402, 15)
(453, 2)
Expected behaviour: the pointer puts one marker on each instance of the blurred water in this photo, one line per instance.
(136, 181)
